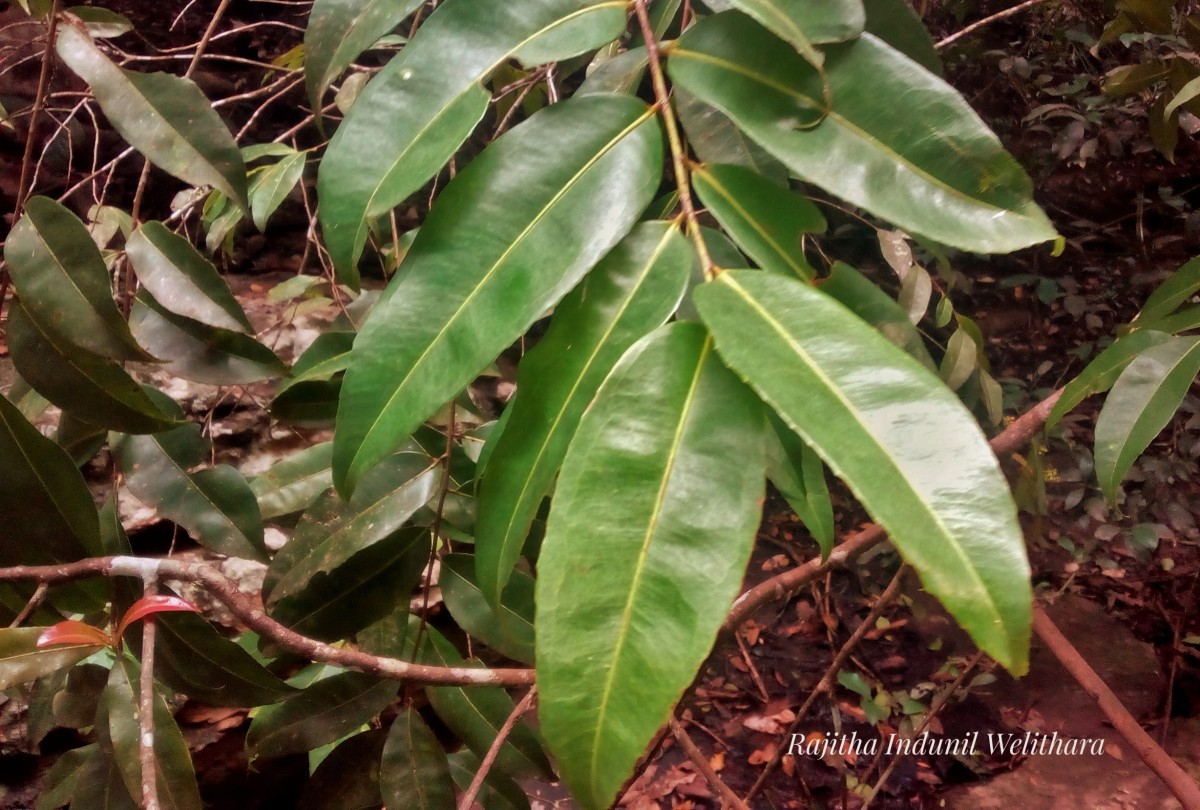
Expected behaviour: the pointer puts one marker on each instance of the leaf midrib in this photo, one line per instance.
(722, 190)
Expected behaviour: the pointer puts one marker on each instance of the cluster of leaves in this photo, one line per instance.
(674, 378)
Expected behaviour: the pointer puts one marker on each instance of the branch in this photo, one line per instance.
(253, 616)
(975, 26)
(489, 759)
(728, 797)
(146, 732)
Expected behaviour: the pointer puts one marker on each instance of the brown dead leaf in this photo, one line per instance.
(763, 755)
(717, 761)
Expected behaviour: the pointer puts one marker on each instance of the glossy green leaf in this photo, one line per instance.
(416, 112)
(945, 176)
(339, 31)
(798, 474)
(328, 355)
(508, 629)
(81, 440)
(348, 779)
(214, 504)
(1175, 291)
(620, 74)
(716, 139)
(468, 292)
(332, 530)
(118, 715)
(63, 283)
(360, 591)
(767, 221)
(323, 713)
(98, 783)
(294, 483)
(1103, 371)
(648, 512)
(1140, 404)
(272, 185)
(415, 773)
(802, 24)
(897, 24)
(634, 290)
(196, 351)
(49, 515)
(22, 661)
(181, 279)
(498, 791)
(861, 296)
(476, 714)
(79, 381)
(166, 118)
(896, 435)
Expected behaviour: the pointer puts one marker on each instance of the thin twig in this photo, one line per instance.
(485, 766)
(975, 26)
(832, 670)
(728, 797)
(39, 99)
(146, 703)
(39, 593)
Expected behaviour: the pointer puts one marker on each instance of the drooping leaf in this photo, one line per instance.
(166, 118)
(415, 773)
(22, 660)
(348, 779)
(294, 483)
(944, 176)
(768, 222)
(196, 351)
(63, 283)
(332, 531)
(468, 292)
(339, 31)
(634, 290)
(365, 588)
(416, 112)
(49, 515)
(214, 504)
(182, 280)
(508, 629)
(325, 712)
(862, 297)
(896, 435)
(80, 381)
(120, 734)
(272, 185)
(1103, 371)
(648, 512)
(897, 24)
(1140, 404)
(476, 714)
(798, 474)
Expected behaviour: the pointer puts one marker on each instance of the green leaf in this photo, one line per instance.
(339, 31)
(896, 435)
(118, 718)
(862, 297)
(166, 118)
(798, 474)
(295, 482)
(102, 23)
(767, 221)
(415, 772)
(214, 504)
(323, 713)
(309, 403)
(498, 791)
(1140, 405)
(468, 292)
(476, 714)
(802, 24)
(897, 24)
(348, 779)
(509, 629)
(1103, 371)
(99, 784)
(333, 530)
(412, 117)
(360, 591)
(634, 290)
(328, 355)
(650, 514)
(621, 74)
(196, 351)
(944, 176)
(79, 381)
(63, 283)
(272, 185)
(1170, 295)
(22, 661)
(716, 139)
(182, 280)
(61, 780)
(49, 515)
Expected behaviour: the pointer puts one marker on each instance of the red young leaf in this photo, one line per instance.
(72, 632)
(149, 605)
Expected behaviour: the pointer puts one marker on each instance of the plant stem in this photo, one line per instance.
(468, 798)
(146, 707)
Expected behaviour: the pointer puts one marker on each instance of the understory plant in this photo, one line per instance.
(622, 200)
